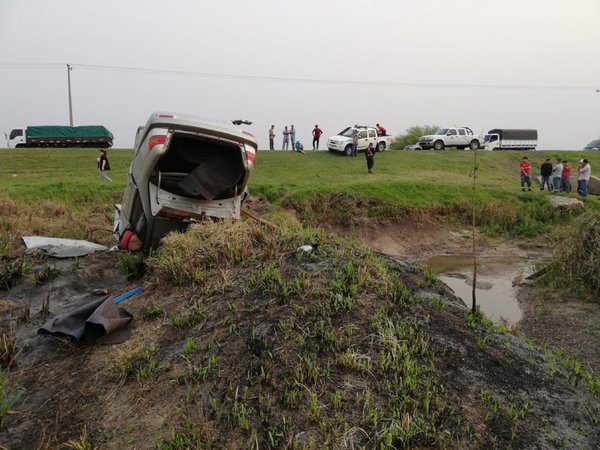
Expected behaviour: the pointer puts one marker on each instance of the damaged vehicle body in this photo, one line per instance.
(183, 170)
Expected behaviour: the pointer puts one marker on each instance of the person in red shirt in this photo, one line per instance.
(525, 173)
(380, 130)
(317, 132)
(565, 177)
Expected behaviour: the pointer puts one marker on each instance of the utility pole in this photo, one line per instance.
(473, 292)
(69, 68)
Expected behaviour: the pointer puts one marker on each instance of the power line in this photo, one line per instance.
(248, 77)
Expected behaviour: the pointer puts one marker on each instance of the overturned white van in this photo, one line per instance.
(183, 170)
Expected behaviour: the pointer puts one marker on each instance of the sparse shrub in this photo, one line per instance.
(576, 261)
(189, 347)
(412, 136)
(141, 363)
(189, 317)
(152, 310)
(8, 348)
(83, 443)
(10, 270)
(8, 397)
(133, 265)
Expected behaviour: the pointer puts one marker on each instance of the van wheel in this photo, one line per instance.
(474, 145)
(380, 147)
(348, 150)
(438, 145)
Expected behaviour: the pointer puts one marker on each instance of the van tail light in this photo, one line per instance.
(250, 155)
(156, 140)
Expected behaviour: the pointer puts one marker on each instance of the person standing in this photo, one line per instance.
(272, 137)
(292, 135)
(103, 165)
(525, 167)
(565, 184)
(370, 155)
(583, 178)
(557, 174)
(546, 172)
(354, 143)
(316, 132)
(286, 139)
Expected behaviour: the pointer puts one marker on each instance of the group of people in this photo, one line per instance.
(289, 139)
(557, 177)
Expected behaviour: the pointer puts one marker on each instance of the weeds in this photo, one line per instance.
(132, 264)
(576, 262)
(189, 347)
(152, 310)
(11, 270)
(191, 434)
(189, 317)
(8, 347)
(513, 411)
(142, 364)
(8, 397)
(83, 443)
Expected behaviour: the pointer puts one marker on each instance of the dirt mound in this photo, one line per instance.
(253, 344)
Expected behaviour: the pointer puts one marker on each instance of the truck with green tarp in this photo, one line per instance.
(95, 136)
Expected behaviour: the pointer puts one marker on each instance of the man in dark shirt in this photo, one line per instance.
(545, 172)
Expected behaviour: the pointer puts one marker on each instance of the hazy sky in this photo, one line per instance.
(478, 63)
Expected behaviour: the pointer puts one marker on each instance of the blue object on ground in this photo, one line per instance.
(127, 294)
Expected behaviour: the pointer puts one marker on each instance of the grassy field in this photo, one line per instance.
(64, 183)
(408, 178)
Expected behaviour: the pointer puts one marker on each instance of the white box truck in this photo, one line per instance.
(510, 139)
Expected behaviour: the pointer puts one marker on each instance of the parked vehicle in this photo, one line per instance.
(412, 147)
(510, 139)
(593, 145)
(459, 137)
(183, 169)
(60, 136)
(342, 142)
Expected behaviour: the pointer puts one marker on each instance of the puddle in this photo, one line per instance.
(498, 279)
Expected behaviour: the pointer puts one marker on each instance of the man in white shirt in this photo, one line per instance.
(583, 178)
(556, 174)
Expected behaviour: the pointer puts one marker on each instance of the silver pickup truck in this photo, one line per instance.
(458, 137)
(183, 169)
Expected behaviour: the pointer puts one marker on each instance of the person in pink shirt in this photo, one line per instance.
(565, 177)
(525, 167)
(317, 132)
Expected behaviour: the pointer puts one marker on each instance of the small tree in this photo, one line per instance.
(412, 135)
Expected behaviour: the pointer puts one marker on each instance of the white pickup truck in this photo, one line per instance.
(342, 142)
(459, 137)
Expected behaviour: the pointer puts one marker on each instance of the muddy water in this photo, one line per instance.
(498, 279)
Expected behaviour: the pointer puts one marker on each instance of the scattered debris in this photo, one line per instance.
(308, 248)
(127, 294)
(101, 291)
(61, 248)
(101, 321)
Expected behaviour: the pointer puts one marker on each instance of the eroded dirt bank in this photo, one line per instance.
(71, 388)
(549, 318)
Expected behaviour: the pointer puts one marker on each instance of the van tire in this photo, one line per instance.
(438, 145)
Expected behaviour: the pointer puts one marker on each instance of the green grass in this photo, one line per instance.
(409, 178)
(320, 187)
